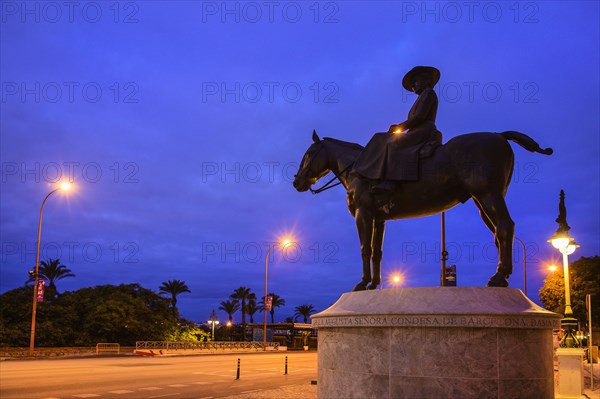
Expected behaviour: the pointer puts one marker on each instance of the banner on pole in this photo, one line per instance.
(269, 303)
(41, 285)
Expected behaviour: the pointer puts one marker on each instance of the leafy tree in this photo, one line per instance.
(304, 311)
(187, 331)
(108, 313)
(584, 278)
(277, 302)
(230, 307)
(51, 271)
(243, 295)
(123, 314)
(15, 316)
(174, 288)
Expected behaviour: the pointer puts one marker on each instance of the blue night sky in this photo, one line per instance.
(183, 123)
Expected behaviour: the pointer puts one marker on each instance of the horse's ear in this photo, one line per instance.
(315, 137)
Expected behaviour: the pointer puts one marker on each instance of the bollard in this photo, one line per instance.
(285, 366)
(238, 370)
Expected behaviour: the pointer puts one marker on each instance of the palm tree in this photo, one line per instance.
(243, 294)
(252, 308)
(51, 271)
(230, 307)
(174, 288)
(305, 311)
(277, 302)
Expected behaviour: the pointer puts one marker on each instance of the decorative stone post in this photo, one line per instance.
(570, 373)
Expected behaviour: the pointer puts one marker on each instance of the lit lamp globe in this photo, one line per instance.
(571, 247)
(287, 242)
(562, 241)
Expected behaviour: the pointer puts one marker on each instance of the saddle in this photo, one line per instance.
(403, 164)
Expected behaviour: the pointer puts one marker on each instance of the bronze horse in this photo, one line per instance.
(475, 165)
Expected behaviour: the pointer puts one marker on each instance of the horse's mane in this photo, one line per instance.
(347, 144)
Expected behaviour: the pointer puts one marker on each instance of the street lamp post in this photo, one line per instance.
(265, 304)
(229, 329)
(524, 265)
(213, 322)
(64, 187)
(213, 319)
(570, 355)
(265, 296)
(562, 241)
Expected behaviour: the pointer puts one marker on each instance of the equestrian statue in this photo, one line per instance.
(407, 172)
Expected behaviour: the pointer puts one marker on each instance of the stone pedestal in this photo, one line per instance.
(451, 342)
(570, 373)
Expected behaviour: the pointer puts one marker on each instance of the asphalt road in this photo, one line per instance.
(202, 376)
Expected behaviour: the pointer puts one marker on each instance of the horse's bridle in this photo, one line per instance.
(329, 184)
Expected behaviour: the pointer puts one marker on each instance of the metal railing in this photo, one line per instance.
(107, 347)
(210, 345)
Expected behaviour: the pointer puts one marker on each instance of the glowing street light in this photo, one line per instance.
(64, 186)
(552, 268)
(562, 241)
(267, 304)
(213, 320)
(396, 279)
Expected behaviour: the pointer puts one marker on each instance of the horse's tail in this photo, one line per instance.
(526, 142)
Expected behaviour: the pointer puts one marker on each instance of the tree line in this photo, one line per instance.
(129, 312)
(113, 313)
(244, 299)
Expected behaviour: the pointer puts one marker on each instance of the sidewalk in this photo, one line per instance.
(595, 394)
(302, 391)
(307, 391)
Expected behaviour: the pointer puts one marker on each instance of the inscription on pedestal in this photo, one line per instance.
(437, 321)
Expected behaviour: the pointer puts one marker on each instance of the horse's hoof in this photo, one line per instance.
(360, 287)
(372, 286)
(498, 280)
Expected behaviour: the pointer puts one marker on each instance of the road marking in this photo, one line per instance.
(150, 389)
(214, 374)
(178, 386)
(86, 395)
(164, 396)
(120, 392)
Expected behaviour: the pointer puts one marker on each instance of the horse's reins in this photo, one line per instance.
(328, 185)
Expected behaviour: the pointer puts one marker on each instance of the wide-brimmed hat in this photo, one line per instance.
(433, 73)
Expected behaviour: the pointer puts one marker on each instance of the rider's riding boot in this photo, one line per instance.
(386, 186)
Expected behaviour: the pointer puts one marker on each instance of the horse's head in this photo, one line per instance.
(313, 165)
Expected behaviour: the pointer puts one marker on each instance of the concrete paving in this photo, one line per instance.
(306, 391)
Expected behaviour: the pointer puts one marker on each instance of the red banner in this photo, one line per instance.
(40, 290)
(269, 303)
